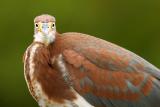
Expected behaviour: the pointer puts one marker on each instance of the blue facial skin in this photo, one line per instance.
(45, 28)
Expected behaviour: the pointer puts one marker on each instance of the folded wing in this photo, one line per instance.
(106, 88)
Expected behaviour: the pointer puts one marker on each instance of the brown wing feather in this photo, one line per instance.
(107, 55)
(103, 82)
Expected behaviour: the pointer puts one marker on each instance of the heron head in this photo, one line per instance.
(44, 29)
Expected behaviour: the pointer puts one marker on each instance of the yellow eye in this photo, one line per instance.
(53, 25)
(36, 25)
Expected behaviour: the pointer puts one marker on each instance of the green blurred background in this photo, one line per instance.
(133, 24)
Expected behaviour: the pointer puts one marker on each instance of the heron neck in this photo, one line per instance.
(45, 39)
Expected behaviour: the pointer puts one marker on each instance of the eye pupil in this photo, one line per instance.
(53, 25)
(36, 25)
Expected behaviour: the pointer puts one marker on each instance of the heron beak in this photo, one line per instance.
(45, 28)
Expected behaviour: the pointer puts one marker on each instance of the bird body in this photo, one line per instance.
(79, 70)
(38, 63)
